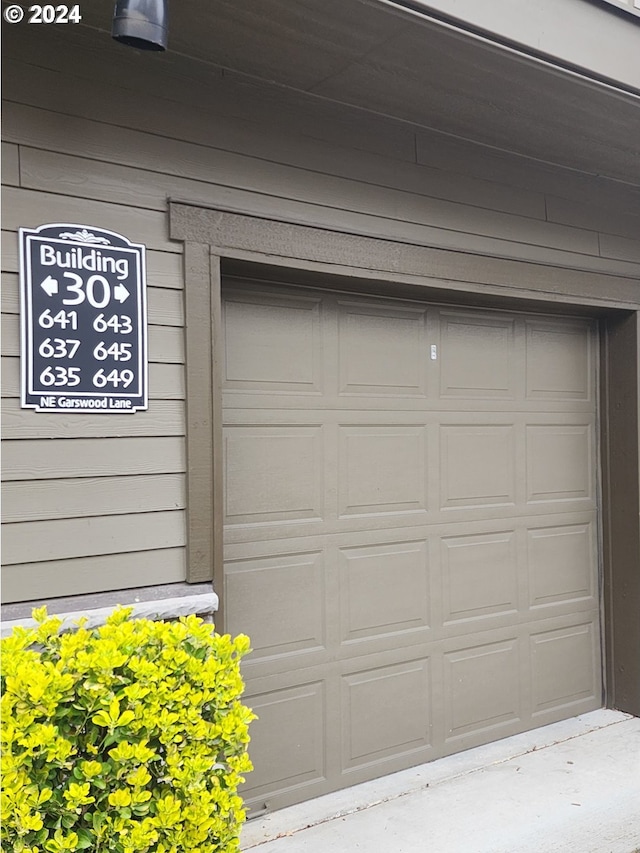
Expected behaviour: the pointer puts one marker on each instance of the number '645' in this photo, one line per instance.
(117, 351)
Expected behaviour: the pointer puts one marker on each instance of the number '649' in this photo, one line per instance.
(114, 377)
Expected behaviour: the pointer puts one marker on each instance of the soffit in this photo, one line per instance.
(370, 55)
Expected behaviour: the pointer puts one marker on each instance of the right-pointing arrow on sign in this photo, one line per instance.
(121, 293)
(50, 285)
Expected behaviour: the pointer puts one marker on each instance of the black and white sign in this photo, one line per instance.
(84, 320)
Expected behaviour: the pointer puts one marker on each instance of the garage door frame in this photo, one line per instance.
(218, 240)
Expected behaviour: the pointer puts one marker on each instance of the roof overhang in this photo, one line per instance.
(408, 64)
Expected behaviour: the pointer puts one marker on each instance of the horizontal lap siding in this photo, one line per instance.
(96, 502)
(95, 535)
(103, 457)
(38, 500)
(149, 169)
(10, 165)
(95, 573)
(164, 417)
(92, 502)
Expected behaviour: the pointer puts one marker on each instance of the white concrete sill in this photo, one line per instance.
(202, 604)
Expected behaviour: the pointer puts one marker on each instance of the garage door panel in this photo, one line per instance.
(260, 334)
(279, 602)
(477, 465)
(382, 469)
(483, 689)
(373, 703)
(479, 576)
(287, 642)
(298, 759)
(384, 589)
(561, 564)
(564, 667)
(273, 474)
(559, 462)
(381, 350)
(559, 360)
(478, 356)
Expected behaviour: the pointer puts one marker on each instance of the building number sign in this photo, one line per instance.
(83, 320)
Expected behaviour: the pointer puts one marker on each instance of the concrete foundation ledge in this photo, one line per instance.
(201, 604)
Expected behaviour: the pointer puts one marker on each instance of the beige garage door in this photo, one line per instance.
(410, 529)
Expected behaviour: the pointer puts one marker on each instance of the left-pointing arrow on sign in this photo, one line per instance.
(50, 285)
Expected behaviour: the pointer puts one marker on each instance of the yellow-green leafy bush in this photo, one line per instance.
(128, 737)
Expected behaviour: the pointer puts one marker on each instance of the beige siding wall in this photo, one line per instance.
(93, 503)
(97, 502)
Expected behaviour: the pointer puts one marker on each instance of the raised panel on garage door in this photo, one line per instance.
(410, 541)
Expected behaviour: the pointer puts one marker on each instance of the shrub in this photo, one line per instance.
(129, 737)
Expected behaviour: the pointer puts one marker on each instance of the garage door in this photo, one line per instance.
(410, 529)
